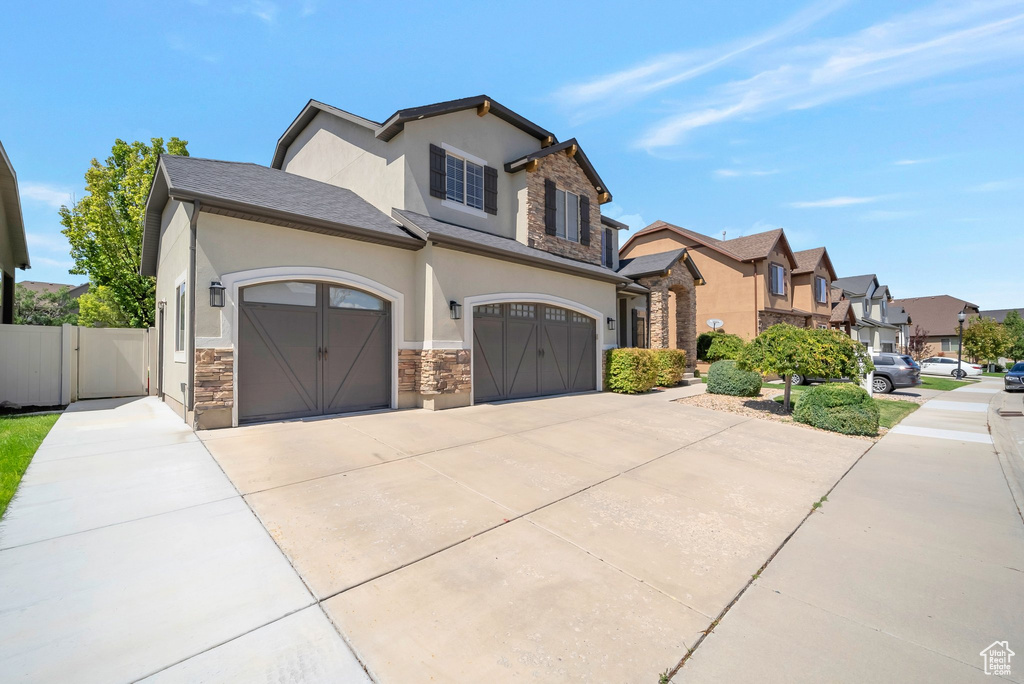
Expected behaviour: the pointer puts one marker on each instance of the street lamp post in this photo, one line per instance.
(960, 346)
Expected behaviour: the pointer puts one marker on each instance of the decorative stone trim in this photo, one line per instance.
(215, 380)
(434, 371)
(766, 319)
(567, 175)
(679, 283)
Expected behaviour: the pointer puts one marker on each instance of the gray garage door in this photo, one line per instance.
(310, 348)
(528, 349)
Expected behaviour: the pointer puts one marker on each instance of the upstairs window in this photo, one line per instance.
(820, 290)
(567, 216)
(778, 279)
(465, 182)
(607, 248)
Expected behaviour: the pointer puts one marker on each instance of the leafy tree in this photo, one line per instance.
(986, 340)
(1014, 326)
(917, 345)
(724, 346)
(105, 227)
(818, 353)
(98, 308)
(44, 308)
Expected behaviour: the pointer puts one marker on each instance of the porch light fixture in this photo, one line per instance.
(455, 309)
(611, 323)
(216, 294)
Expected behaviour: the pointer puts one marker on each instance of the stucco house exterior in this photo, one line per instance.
(13, 245)
(869, 305)
(451, 254)
(936, 315)
(755, 281)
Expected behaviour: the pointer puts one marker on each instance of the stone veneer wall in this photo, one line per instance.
(766, 319)
(567, 175)
(681, 282)
(214, 381)
(434, 371)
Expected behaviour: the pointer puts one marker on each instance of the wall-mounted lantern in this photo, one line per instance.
(216, 294)
(611, 323)
(455, 309)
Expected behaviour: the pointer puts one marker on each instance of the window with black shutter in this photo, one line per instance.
(609, 247)
(550, 210)
(437, 172)
(490, 190)
(584, 220)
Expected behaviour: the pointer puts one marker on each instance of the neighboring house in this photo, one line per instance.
(937, 317)
(454, 253)
(74, 291)
(869, 305)
(13, 245)
(999, 315)
(756, 280)
(902, 320)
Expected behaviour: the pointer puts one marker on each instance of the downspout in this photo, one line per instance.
(192, 228)
(162, 309)
(757, 319)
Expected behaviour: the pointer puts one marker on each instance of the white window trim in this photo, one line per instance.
(565, 218)
(782, 280)
(458, 206)
(180, 355)
(456, 152)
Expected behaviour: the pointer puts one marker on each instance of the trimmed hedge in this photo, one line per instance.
(725, 346)
(839, 407)
(725, 377)
(630, 370)
(671, 364)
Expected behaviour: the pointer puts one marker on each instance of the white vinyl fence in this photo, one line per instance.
(50, 365)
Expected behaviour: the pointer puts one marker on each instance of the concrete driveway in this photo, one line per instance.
(588, 537)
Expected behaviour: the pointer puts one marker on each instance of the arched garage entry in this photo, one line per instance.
(527, 349)
(310, 348)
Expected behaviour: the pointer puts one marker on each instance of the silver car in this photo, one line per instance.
(894, 371)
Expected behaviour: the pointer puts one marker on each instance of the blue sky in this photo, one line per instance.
(889, 132)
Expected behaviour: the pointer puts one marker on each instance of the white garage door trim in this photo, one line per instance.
(531, 297)
(233, 282)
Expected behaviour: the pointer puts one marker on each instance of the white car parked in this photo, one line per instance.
(941, 365)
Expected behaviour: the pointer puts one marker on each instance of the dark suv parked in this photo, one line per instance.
(1013, 381)
(893, 371)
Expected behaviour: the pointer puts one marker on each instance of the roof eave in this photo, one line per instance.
(14, 218)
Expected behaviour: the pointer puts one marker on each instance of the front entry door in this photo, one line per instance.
(528, 349)
(310, 348)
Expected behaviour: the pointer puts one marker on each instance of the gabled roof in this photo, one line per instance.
(746, 248)
(263, 194)
(880, 292)
(659, 264)
(936, 315)
(396, 122)
(999, 315)
(13, 245)
(478, 242)
(808, 259)
(578, 154)
(899, 316)
(612, 223)
(855, 285)
(841, 312)
(74, 291)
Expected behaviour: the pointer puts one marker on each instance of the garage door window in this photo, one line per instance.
(522, 311)
(291, 293)
(553, 314)
(344, 298)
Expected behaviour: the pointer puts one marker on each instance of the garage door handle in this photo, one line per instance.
(319, 353)
(540, 352)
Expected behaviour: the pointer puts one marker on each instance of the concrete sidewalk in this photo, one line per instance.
(128, 553)
(910, 569)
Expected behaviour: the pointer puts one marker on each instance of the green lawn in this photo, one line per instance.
(20, 436)
(935, 383)
(993, 375)
(890, 411)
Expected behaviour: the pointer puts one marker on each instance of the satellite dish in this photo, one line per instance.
(715, 324)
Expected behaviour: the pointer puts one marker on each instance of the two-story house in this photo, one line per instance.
(452, 253)
(755, 281)
(937, 318)
(870, 307)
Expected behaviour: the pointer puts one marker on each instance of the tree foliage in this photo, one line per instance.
(815, 353)
(105, 227)
(98, 308)
(1014, 326)
(917, 345)
(986, 340)
(44, 308)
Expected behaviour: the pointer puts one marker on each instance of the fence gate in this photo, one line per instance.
(31, 358)
(112, 362)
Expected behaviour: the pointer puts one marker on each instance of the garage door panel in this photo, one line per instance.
(278, 373)
(488, 357)
(554, 360)
(357, 367)
(583, 354)
(521, 358)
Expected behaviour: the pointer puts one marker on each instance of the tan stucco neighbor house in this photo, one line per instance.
(755, 281)
(451, 254)
(13, 245)
(937, 318)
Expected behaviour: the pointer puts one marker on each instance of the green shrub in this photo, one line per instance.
(724, 346)
(725, 377)
(630, 371)
(839, 407)
(704, 341)
(671, 364)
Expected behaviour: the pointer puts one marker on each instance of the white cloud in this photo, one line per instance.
(264, 10)
(47, 194)
(616, 89)
(833, 202)
(996, 186)
(909, 48)
(614, 211)
(883, 215)
(739, 173)
(913, 162)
